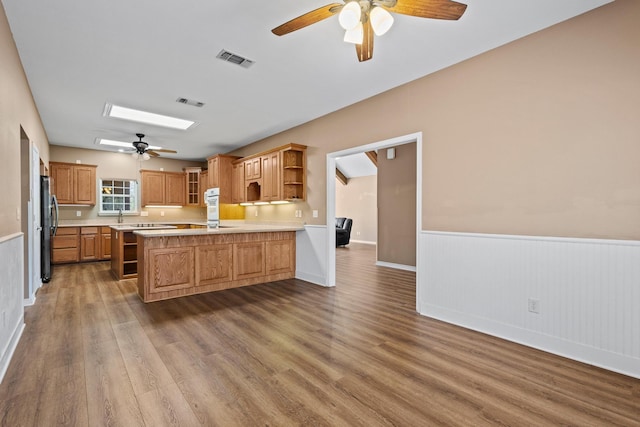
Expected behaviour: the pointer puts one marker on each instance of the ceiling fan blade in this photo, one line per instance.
(152, 153)
(163, 150)
(434, 9)
(365, 50)
(308, 18)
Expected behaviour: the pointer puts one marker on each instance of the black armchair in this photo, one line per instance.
(343, 231)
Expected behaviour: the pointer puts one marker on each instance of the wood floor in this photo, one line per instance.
(285, 353)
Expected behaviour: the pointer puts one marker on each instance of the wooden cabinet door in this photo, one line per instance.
(84, 185)
(214, 172)
(204, 184)
(62, 176)
(193, 194)
(105, 244)
(252, 168)
(271, 181)
(89, 247)
(152, 188)
(237, 183)
(174, 189)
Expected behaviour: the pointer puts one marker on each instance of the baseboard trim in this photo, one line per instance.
(396, 266)
(7, 355)
(571, 350)
(29, 301)
(311, 278)
(364, 242)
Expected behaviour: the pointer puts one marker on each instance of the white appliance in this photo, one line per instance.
(211, 199)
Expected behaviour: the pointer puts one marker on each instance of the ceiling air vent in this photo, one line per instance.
(190, 102)
(225, 55)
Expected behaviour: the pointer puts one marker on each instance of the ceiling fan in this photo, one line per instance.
(143, 151)
(362, 18)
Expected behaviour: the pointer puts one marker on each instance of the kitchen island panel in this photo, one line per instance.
(249, 260)
(281, 257)
(170, 269)
(216, 261)
(214, 265)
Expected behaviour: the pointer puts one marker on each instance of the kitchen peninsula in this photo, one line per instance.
(179, 262)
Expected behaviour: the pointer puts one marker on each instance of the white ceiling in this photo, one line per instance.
(146, 53)
(356, 165)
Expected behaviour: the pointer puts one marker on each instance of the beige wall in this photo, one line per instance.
(17, 109)
(538, 137)
(397, 206)
(358, 200)
(121, 165)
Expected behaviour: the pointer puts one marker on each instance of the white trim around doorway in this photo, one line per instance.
(331, 198)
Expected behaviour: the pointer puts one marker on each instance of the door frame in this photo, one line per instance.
(331, 198)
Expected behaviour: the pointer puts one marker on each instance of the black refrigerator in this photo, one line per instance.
(49, 222)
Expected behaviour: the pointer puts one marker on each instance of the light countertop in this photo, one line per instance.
(111, 223)
(240, 228)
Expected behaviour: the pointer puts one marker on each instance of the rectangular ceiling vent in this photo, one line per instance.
(190, 102)
(225, 55)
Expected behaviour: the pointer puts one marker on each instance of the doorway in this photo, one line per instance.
(30, 215)
(331, 192)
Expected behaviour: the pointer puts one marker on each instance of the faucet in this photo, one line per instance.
(119, 216)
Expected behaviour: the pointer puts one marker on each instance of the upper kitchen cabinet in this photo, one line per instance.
(294, 172)
(274, 175)
(163, 188)
(221, 175)
(195, 186)
(204, 182)
(73, 183)
(237, 183)
(271, 177)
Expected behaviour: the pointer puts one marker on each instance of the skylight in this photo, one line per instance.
(140, 116)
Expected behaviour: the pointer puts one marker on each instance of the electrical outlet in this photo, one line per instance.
(78, 213)
(161, 213)
(315, 213)
(534, 305)
(256, 212)
(144, 213)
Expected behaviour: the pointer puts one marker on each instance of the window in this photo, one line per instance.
(118, 194)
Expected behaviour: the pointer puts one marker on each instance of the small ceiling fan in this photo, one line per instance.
(143, 151)
(362, 18)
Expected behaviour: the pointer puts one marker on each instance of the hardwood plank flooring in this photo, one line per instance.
(286, 353)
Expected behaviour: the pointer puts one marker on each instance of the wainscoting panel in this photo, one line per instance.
(11, 297)
(586, 292)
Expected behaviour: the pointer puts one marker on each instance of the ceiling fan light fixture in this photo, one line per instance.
(350, 15)
(355, 35)
(138, 156)
(381, 20)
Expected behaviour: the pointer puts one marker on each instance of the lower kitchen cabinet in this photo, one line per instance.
(105, 242)
(124, 256)
(65, 245)
(89, 244)
(79, 244)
